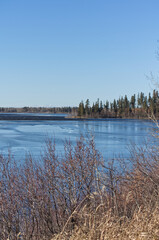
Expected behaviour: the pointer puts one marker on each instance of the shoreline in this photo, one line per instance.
(26, 117)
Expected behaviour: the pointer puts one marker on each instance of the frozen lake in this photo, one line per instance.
(112, 136)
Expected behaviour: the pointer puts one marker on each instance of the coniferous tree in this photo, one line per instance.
(93, 109)
(81, 110)
(138, 101)
(141, 99)
(120, 106)
(87, 107)
(97, 106)
(101, 107)
(111, 107)
(133, 101)
(115, 107)
(126, 102)
(145, 104)
(107, 105)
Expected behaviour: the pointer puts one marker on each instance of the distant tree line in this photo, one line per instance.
(139, 106)
(67, 110)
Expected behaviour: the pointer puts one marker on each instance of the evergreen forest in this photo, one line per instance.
(138, 106)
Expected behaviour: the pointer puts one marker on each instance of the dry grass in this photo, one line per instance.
(144, 224)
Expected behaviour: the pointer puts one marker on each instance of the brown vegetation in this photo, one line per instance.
(80, 196)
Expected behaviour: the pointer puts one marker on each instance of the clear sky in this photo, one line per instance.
(59, 52)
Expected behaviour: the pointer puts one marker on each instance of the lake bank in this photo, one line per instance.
(54, 117)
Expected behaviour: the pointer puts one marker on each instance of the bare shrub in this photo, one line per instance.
(79, 196)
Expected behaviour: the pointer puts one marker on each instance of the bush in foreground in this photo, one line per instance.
(80, 196)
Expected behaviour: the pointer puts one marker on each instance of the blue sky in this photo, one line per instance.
(59, 52)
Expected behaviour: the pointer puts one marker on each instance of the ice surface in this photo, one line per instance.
(111, 136)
